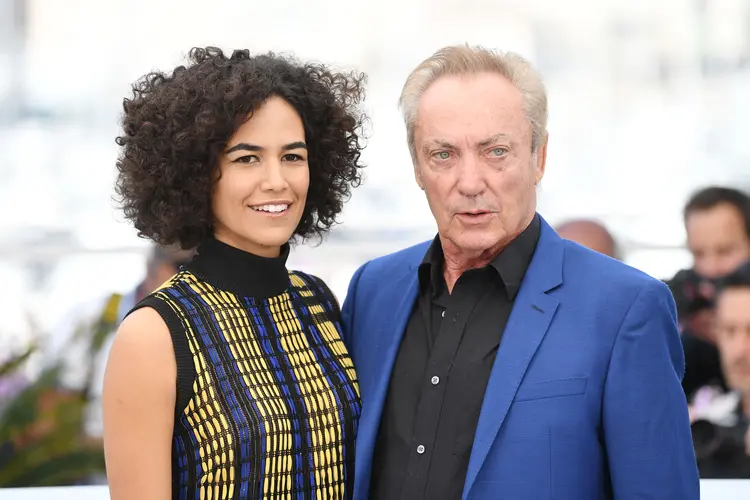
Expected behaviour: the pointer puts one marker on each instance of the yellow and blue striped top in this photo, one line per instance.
(267, 398)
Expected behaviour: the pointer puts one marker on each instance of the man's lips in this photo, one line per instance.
(474, 213)
(474, 217)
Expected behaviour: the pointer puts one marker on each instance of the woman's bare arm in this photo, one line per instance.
(139, 402)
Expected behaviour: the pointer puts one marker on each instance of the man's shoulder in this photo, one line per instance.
(404, 259)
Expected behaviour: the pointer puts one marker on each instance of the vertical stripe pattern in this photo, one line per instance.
(275, 402)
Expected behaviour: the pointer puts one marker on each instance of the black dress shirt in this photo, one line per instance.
(702, 365)
(441, 372)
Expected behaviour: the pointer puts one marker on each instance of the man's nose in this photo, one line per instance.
(471, 180)
(710, 266)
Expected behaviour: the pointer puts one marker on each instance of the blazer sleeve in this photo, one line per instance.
(348, 310)
(645, 415)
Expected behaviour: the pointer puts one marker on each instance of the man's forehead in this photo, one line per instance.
(719, 224)
(734, 300)
(471, 123)
(722, 213)
(471, 112)
(457, 88)
(482, 92)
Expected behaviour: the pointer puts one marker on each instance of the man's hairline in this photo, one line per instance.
(690, 211)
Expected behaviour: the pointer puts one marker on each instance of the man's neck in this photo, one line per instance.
(745, 403)
(457, 262)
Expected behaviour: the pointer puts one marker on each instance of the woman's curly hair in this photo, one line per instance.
(176, 127)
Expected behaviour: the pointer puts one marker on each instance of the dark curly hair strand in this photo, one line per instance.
(176, 127)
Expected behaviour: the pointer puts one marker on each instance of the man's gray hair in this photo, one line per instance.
(465, 60)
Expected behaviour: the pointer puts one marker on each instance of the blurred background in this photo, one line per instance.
(649, 102)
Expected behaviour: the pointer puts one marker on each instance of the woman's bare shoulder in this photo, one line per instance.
(142, 349)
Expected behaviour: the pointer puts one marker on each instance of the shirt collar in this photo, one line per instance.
(510, 264)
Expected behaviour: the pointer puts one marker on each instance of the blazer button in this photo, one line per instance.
(420, 449)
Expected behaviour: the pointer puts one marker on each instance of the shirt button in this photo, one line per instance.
(420, 449)
(435, 380)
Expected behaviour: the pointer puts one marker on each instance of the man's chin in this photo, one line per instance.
(468, 243)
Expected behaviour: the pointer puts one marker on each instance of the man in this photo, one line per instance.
(726, 453)
(717, 223)
(84, 344)
(590, 234)
(498, 360)
(162, 264)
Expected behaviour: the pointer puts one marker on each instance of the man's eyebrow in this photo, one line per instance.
(437, 143)
(492, 140)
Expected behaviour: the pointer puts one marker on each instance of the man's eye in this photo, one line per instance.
(498, 151)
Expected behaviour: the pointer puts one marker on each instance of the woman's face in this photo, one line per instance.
(260, 195)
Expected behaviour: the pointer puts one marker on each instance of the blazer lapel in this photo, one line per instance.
(385, 348)
(528, 323)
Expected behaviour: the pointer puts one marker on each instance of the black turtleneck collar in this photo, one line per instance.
(236, 271)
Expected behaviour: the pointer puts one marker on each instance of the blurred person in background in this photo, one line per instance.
(231, 380)
(81, 344)
(162, 263)
(720, 420)
(590, 234)
(717, 223)
(499, 360)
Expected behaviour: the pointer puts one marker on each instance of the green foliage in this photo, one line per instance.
(42, 428)
(42, 439)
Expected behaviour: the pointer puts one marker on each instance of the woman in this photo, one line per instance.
(231, 380)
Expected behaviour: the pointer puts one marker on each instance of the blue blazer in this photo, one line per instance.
(584, 401)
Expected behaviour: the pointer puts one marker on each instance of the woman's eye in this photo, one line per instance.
(247, 159)
(292, 157)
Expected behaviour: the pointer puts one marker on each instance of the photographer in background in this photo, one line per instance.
(717, 222)
(720, 424)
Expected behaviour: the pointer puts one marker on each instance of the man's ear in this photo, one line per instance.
(541, 160)
(418, 175)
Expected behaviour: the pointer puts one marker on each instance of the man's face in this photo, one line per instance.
(717, 240)
(733, 336)
(158, 274)
(474, 160)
